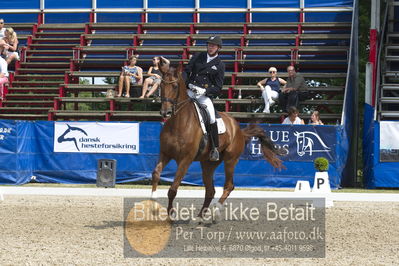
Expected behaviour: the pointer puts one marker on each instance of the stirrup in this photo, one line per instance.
(214, 156)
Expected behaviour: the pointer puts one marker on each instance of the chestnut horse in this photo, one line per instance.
(181, 136)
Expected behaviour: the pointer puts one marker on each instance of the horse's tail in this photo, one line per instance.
(270, 152)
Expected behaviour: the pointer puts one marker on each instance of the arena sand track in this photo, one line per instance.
(89, 230)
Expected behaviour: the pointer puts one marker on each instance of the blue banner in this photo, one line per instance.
(8, 137)
(299, 143)
(28, 149)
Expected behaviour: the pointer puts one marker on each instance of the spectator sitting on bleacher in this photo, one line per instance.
(2, 29)
(315, 119)
(270, 88)
(3, 75)
(289, 95)
(130, 74)
(153, 80)
(293, 118)
(10, 51)
(2, 34)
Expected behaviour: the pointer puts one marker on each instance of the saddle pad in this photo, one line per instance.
(219, 121)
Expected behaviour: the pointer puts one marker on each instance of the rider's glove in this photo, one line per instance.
(197, 90)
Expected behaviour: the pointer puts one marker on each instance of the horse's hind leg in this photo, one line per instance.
(208, 169)
(156, 174)
(229, 166)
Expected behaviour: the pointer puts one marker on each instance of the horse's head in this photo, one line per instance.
(170, 88)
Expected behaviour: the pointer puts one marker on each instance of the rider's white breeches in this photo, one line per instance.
(205, 100)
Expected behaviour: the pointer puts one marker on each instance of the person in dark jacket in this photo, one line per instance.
(204, 76)
(289, 95)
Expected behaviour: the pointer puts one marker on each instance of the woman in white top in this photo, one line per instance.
(293, 118)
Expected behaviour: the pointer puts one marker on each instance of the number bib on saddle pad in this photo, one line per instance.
(203, 118)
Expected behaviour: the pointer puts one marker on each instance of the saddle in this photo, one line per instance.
(204, 120)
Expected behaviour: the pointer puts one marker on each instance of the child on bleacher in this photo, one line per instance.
(153, 80)
(131, 74)
(315, 119)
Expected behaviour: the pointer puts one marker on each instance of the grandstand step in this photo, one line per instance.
(109, 36)
(113, 26)
(33, 89)
(52, 45)
(94, 73)
(260, 101)
(393, 86)
(78, 114)
(389, 115)
(391, 58)
(38, 77)
(48, 58)
(58, 34)
(391, 48)
(89, 86)
(392, 38)
(24, 116)
(29, 102)
(61, 26)
(21, 96)
(284, 75)
(67, 40)
(321, 89)
(42, 70)
(37, 83)
(32, 110)
(389, 99)
(56, 52)
(47, 64)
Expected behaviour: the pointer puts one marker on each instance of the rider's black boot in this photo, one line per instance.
(214, 156)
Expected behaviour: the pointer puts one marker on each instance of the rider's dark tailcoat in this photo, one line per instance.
(206, 75)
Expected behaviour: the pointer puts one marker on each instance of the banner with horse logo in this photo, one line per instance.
(299, 143)
(92, 137)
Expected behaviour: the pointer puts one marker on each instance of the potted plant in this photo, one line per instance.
(321, 182)
(321, 164)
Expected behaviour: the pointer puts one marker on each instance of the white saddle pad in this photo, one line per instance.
(219, 121)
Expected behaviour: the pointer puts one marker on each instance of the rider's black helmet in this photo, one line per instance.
(215, 40)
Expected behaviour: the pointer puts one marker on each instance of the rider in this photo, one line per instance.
(204, 76)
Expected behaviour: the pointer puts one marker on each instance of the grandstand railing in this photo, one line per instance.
(196, 11)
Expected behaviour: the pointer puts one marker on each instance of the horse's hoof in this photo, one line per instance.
(154, 195)
(216, 210)
(196, 221)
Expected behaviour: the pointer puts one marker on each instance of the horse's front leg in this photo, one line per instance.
(156, 174)
(208, 169)
(182, 168)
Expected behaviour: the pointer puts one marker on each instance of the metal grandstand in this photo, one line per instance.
(61, 45)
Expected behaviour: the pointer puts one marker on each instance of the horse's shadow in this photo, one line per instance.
(107, 225)
(116, 224)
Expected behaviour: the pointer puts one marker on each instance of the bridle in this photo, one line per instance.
(176, 106)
